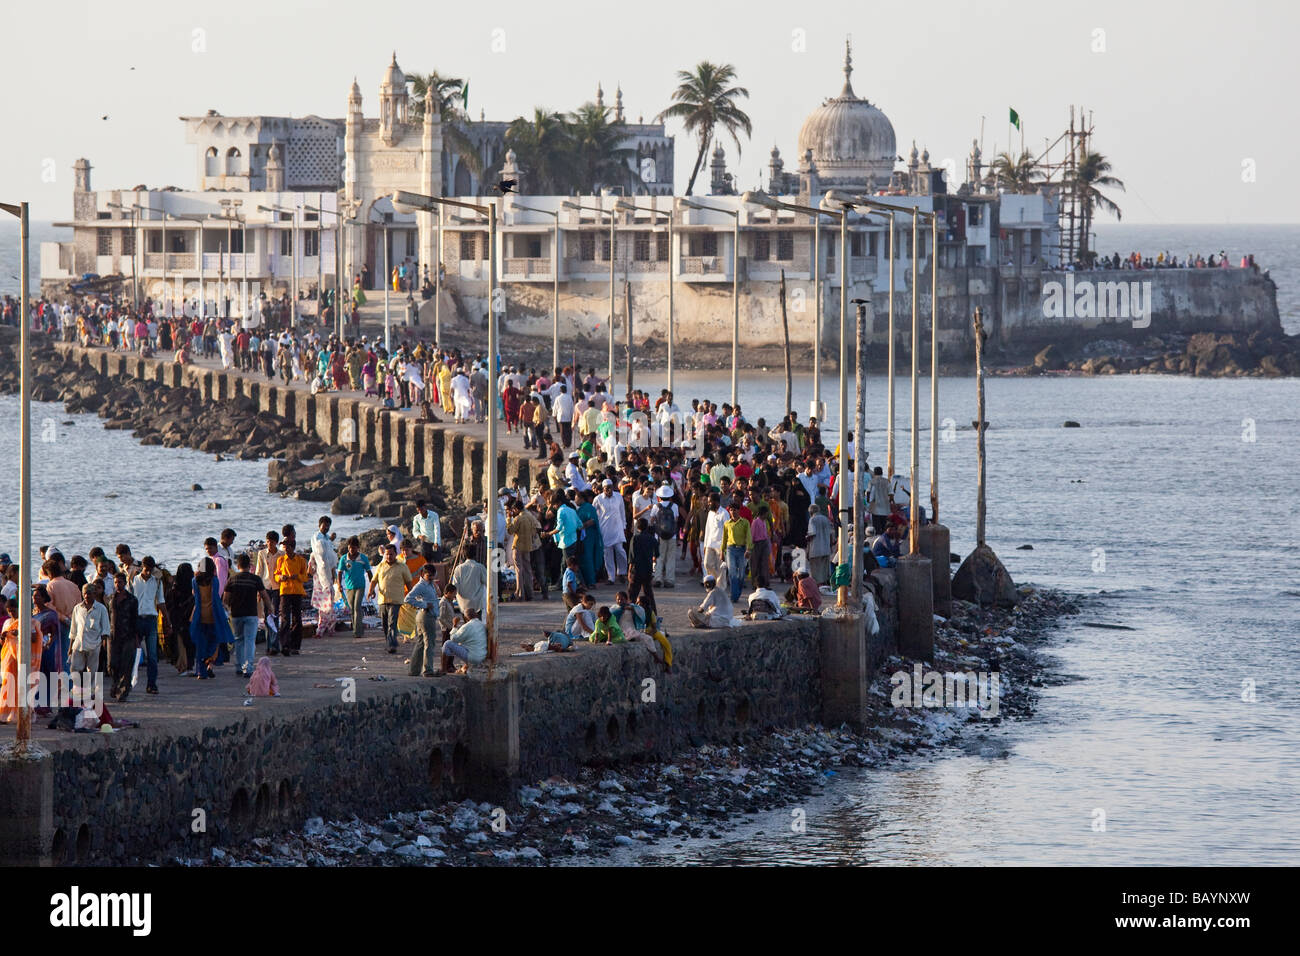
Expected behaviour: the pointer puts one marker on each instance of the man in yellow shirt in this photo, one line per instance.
(736, 545)
(291, 576)
(391, 579)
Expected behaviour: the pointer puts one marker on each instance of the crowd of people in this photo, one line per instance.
(634, 492)
(1165, 260)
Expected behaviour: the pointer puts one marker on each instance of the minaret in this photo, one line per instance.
(352, 142)
(430, 178)
(392, 101)
(274, 170)
(775, 168)
(618, 104)
(600, 96)
(718, 172)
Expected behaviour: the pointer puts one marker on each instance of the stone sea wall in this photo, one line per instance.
(224, 777)
(444, 457)
(153, 793)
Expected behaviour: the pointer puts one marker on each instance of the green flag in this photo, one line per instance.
(464, 95)
(1015, 119)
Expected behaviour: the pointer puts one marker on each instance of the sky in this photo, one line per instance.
(1186, 97)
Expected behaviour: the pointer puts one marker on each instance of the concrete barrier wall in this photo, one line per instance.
(625, 706)
(455, 461)
(135, 794)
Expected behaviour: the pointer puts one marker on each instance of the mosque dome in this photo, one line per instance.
(394, 78)
(851, 140)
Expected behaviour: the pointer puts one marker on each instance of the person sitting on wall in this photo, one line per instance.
(804, 594)
(887, 549)
(467, 645)
(716, 610)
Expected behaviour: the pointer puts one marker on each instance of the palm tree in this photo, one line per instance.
(1017, 175)
(1092, 172)
(598, 156)
(543, 147)
(703, 101)
(455, 121)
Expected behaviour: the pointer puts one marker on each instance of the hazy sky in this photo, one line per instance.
(1187, 97)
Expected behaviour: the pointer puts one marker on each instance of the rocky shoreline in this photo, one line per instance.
(704, 792)
(298, 464)
(1203, 354)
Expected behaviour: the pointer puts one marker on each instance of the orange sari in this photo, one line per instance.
(10, 694)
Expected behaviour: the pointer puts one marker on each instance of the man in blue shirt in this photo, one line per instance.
(567, 526)
(353, 569)
(887, 545)
(425, 599)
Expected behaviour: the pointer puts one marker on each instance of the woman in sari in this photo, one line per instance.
(445, 390)
(355, 360)
(180, 608)
(11, 695)
(510, 400)
(324, 559)
(340, 371)
(208, 622)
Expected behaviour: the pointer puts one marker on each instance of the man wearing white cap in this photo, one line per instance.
(573, 474)
(665, 520)
(613, 529)
(716, 610)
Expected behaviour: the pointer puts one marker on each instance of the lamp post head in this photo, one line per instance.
(758, 197)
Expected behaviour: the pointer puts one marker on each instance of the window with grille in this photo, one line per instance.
(467, 245)
(661, 246)
(641, 246)
(762, 247)
(310, 243)
(784, 246)
(104, 242)
(587, 246)
(704, 243)
(604, 248)
(856, 244)
(153, 241)
(286, 242)
(128, 243)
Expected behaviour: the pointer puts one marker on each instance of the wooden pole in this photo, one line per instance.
(979, 427)
(785, 332)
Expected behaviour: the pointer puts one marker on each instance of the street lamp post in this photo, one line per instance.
(293, 260)
(320, 212)
(934, 366)
(600, 210)
(24, 730)
(421, 203)
(555, 279)
(625, 204)
(135, 272)
(760, 198)
(917, 215)
(735, 292)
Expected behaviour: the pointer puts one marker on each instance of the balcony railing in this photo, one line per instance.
(528, 267)
(703, 265)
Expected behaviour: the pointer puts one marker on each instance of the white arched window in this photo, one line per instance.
(234, 162)
(211, 166)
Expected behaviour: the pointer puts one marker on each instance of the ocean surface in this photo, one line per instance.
(1173, 507)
